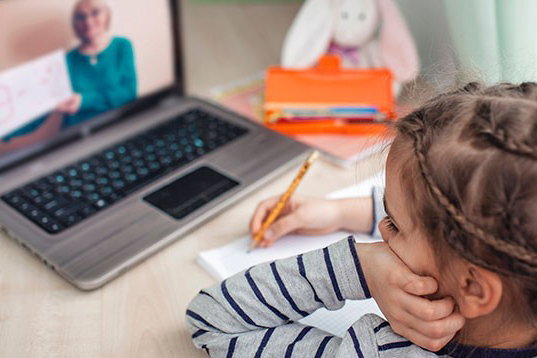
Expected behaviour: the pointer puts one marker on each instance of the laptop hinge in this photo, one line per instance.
(169, 101)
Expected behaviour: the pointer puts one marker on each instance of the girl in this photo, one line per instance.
(461, 195)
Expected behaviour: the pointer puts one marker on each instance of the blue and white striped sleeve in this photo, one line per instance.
(254, 313)
(379, 212)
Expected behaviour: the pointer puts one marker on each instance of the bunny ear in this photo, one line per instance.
(396, 43)
(310, 34)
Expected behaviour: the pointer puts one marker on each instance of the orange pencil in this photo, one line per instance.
(283, 200)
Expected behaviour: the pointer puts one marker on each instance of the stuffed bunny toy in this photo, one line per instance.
(365, 33)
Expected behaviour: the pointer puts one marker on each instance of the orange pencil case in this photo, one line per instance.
(327, 86)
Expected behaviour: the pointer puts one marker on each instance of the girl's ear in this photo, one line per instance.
(397, 46)
(310, 34)
(479, 291)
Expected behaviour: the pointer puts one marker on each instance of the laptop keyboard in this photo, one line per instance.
(66, 197)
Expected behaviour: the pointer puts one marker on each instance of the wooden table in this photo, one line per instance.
(141, 313)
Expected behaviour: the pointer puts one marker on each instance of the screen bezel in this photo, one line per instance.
(104, 120)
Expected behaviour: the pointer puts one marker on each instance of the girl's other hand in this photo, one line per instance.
(301, 215)
(399, 293)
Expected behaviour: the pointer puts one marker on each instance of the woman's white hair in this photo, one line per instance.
(104, 2)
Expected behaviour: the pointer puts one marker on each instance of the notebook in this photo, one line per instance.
(233, 258)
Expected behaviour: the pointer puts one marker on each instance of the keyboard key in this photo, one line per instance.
(59, 179)
(89, 187)
(142, 172)
(131, 178)
(118, 184)
(89, 176)
(85, 166)
(101, 170)
(88, 210)
(114, 175)
(55, 204)
(31, 192)
(76, 183)
(52, 227)
(44, 220)
(106, 191)
(113, 165)
(101, 203)
(64, 189)
(73, 172)
(76, 194)
(13, 198)
(93, 197)
(72, 219)
(35, 213)
(126, 169)
(103, 181)
(65, 211)
(48, 195)
(154, 166)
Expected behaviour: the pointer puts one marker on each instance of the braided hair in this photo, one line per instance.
(475, 152)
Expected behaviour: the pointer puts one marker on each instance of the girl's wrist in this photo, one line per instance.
(356, 214)
(339, 210)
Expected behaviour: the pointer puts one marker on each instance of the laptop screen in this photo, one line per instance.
(64, 63)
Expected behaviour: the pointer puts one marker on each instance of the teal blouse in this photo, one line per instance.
(108, 83)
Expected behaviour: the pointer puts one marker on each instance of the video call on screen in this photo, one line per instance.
(92, 58)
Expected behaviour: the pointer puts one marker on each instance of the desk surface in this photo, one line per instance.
(141, 313)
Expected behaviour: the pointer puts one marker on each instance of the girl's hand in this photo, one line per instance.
(301, 215)
(398, 292)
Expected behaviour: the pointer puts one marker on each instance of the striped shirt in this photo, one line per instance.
(255, 313)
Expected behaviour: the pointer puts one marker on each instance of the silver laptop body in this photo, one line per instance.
(106, 244)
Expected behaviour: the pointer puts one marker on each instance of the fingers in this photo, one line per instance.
(72, 106)
(62, 107)
(432, 335)
(420, 285)
(76, 103)
(66, 106)
(432, 344)
(428, 310)
(261, 212)
(412, 283)
(445, 327)
(281, 227)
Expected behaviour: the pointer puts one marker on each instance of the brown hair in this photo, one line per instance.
(474, 150)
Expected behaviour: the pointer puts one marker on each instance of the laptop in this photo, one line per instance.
(126, 164)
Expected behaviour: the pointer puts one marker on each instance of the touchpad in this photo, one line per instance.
(190, 192)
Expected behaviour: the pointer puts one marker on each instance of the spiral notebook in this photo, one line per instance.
(233, 258)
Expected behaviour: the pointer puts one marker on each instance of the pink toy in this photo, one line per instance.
(365, 33)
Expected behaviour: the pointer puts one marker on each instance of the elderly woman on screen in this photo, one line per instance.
(101, 68)
(102, 73)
